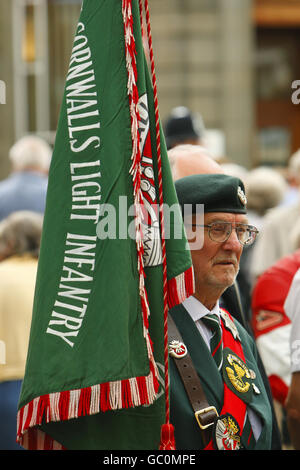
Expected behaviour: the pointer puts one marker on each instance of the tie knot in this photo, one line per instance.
(212, 321)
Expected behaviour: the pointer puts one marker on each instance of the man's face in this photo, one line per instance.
(216, 265)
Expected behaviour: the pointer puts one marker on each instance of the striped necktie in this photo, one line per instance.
(211, 320)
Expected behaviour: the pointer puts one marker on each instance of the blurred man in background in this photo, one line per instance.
(26, 187)
(190, 159)
(183, 127)
(275, 239)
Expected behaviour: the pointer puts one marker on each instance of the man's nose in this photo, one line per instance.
(232, 242)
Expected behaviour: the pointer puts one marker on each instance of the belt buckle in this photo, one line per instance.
(201, 412)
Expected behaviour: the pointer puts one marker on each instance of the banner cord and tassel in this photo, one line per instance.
(167, 431)
(136, 172)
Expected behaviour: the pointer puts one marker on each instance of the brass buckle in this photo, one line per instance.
(201, 412)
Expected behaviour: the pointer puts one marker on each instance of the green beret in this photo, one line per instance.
(218, 193)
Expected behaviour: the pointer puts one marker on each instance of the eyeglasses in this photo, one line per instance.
(220, 232)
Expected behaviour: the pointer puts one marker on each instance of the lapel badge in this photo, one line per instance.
(177, 349)
(256, 389)
(230, 325)
(242, 196)
(227, 433)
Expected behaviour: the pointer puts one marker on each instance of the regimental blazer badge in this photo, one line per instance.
(177, 349)
(237, 376)
(227, 433)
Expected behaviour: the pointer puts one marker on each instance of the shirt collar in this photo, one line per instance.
(197, 310)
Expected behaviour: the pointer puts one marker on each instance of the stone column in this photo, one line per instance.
(6, 75)
(236, 80)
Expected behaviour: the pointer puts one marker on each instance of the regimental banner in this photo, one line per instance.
(95, 373)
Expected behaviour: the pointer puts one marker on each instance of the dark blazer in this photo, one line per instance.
(187, 431)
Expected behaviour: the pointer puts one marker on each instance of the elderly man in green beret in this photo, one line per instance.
(218, 398)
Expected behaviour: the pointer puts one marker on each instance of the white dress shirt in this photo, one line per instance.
(197, 311)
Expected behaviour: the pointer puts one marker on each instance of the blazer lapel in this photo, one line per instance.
(260, 404)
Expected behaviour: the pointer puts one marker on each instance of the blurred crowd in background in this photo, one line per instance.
(266, 272)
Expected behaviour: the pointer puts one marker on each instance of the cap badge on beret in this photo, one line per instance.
(242, 196)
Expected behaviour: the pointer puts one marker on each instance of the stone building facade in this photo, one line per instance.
(204, 56)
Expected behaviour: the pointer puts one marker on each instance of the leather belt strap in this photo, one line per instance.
(204, 413)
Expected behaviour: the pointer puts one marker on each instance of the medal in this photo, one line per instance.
(229, 324)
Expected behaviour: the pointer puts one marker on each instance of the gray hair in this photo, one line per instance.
(31, 152)
(265, 188)
(294, 165)
(20, 233)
